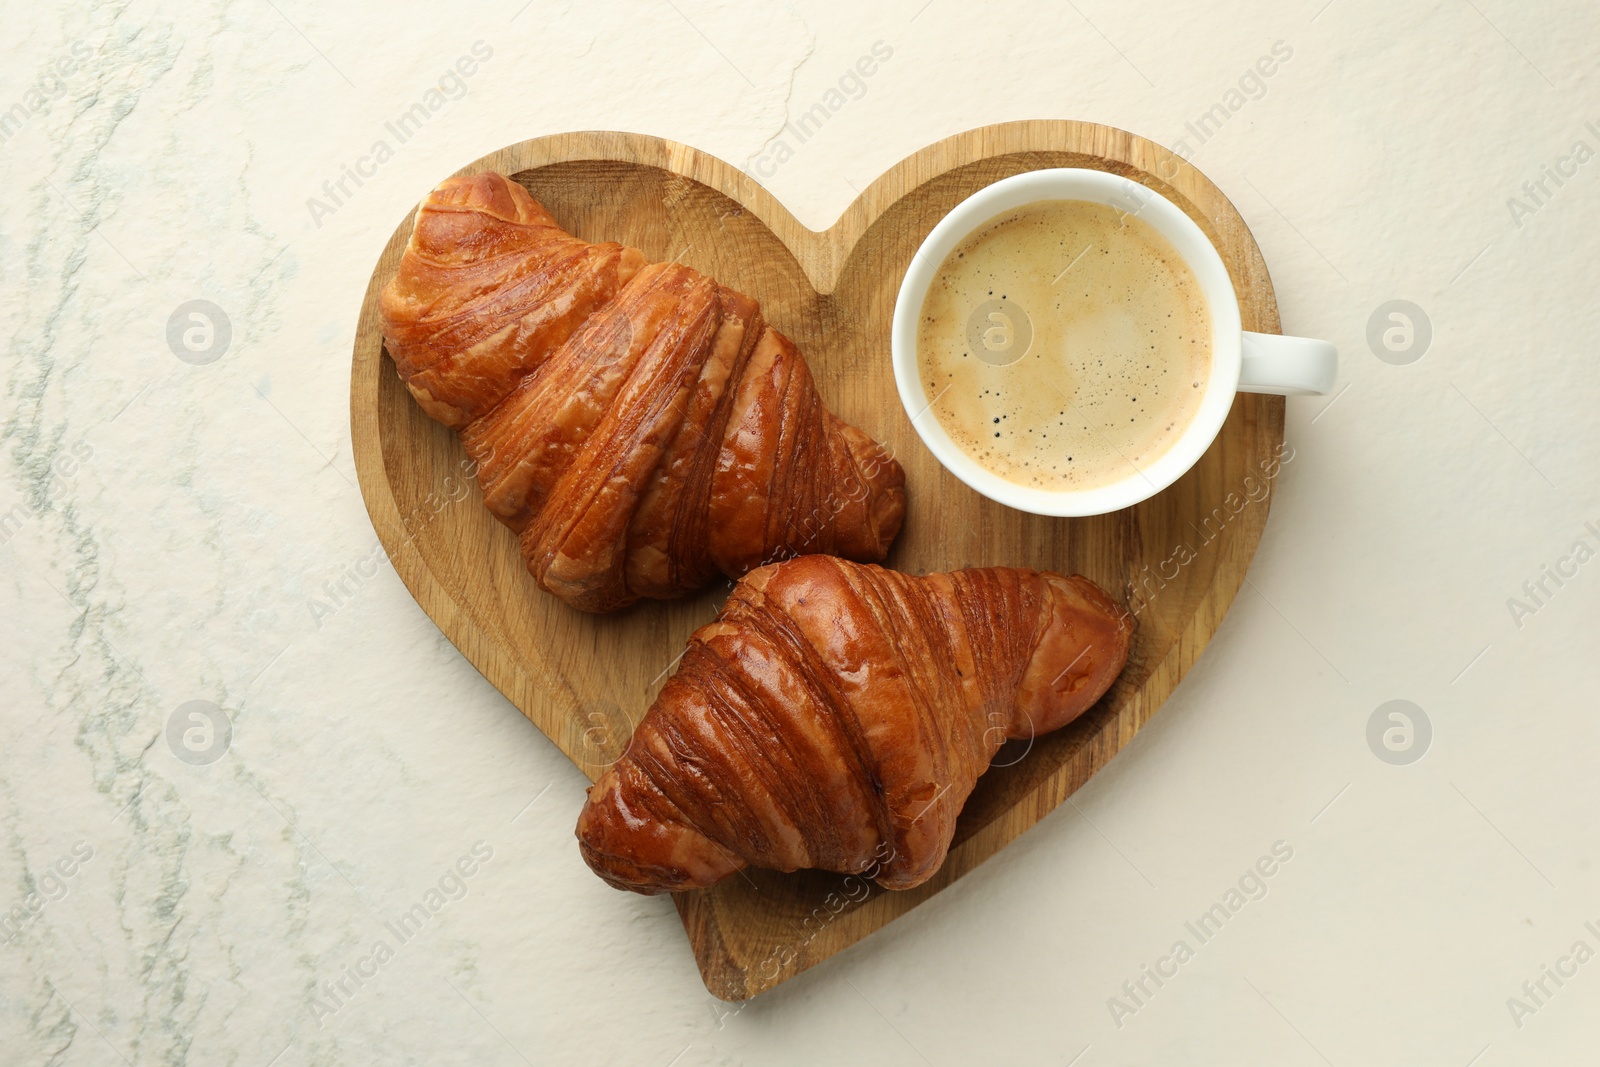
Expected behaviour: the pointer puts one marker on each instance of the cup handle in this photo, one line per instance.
(1287, 366)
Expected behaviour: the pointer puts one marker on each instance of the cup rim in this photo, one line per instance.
(1186, 237)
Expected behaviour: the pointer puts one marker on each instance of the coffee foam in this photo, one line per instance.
(1066, 345)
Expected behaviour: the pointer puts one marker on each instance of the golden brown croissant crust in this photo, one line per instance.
(639, 425)
(837, 715)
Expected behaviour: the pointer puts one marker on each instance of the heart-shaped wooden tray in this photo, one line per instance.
(586, 680)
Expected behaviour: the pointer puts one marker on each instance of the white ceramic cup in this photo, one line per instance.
(1240, 361)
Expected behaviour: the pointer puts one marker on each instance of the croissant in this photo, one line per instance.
(837, 715)
(639, 425)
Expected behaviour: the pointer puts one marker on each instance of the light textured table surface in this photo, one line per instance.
(176, 531)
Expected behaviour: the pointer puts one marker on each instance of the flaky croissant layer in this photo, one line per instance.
(837, 715)
(639, 425)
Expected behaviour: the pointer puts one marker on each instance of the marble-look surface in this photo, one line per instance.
(170, 527)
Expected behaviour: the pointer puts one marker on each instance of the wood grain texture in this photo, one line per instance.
(585, 680)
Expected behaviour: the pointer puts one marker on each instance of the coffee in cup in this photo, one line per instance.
(1098, 323)
(1065, 345)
